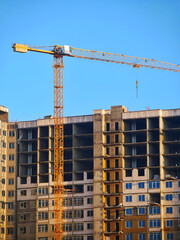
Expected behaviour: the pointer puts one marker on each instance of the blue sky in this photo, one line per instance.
(132, 27)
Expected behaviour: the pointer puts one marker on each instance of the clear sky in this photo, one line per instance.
(132, 27)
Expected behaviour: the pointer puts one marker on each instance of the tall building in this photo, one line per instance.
(121, 169)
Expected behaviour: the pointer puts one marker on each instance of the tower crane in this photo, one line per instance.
(59, 52)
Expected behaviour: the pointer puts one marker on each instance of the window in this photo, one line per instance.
(11, 145)
(169, 210)
(154, 223)
(154, 210)
(78, 237)
(23, 205)
(90, 225)
(129, 237)
(10, 218)
(65, 238)
(128, 224)
(10, 231)
(90, 237)
(154, 184)
(107, 127)
(169, 223)
(11, 205)
(67, 214)
(117, 188)
(10, 193)
(90, 188)
(22, 230)
(89, 200)
(128, 185)
(107, 151)
(178, 196)
(3, 169)
(78, 213)
(42, 215)
(90, 213)
(11, 134)
(3, 156)
(78, 201)
(116, 163)
(128, 211)
(43, 191)
(11, 169)
(11, 181)
(168, 197)
(178, 183)
(2, 230)
(2, 218)
(11, 157)
(116, 126)
(3, 181)
(116, 150)
(43, 228)
(116, 175)
(3, 193)
(4, 133)
(141, 198)
(33, 192)
(108, 188)
(67, 227)
(116, 138)
(168, 184)
(141, 185)
(169, 236)
(108, 139)
(23, 192)
(42, 203)
(142, 236)
(23, 217)
(141, 224)
(3, 144)
(78, 226)
(128, 198)
(155, 236)
(107, 163)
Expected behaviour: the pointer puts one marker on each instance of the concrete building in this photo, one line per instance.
(123, 168)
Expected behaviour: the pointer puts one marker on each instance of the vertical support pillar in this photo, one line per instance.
(58, 147)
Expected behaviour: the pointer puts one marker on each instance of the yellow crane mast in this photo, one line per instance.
(58, 52)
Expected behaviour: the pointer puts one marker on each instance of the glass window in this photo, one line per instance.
(168, 184)
(169, 236)
(129, 237)
(168, 197)
(128, 211)
(141, 224)
(169, 210)
(128, 198)
(154, 210)
(169, 223)
(141, 198)
(128, 185)
(128, 224)
(141, 211)
(141, 185)
(154, 184)
(154, 223)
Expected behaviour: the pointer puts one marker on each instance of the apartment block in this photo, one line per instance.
(121, 169)
(7, 176)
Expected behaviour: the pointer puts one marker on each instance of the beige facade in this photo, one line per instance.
(123, 168)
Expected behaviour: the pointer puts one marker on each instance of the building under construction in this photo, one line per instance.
(121, 172)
